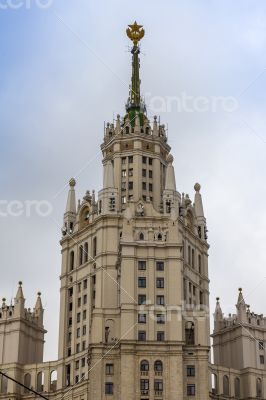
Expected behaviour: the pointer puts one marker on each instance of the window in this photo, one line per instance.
(191, 390)
(124, 160)
(130, 185)
(124, 173)
(78, 348)
(160, 318)
(150, 174)
(190, 333)
(130, 172)
(237, 388)
(259, 388)
(69, 336)
(226, 385)
(78, 317)
(191, 370)
(83, 362)
(142, 318)
(84, 315)
(85, 299)
(160, 283)
(72, 261)
(144, 173)
(142, 265)
(160, 300)
(70, 307)
(84, 330)
(261, 359)
(144, 386)
(142, 335)
(141, 282)
(160, 336)
(70, 292)
(109, 388)
(193, 258)
(78, 332)
(159, 266)
(150, 187)
(158, 366)
(76, 379)
(199, 263)
(83, 345)
(144, 160)
(80, 255)
(69, 352)
(142, 299)
(109, 369)
(86, 252)
(123, 199)
(85, 284)
(144, 366)
(130, 159)
(261, 346)
(150, 161)
(141, 236)
(189, 255)
(143, 185)
(124, 186)
(158, 385)
(77, 364)
(79, 301)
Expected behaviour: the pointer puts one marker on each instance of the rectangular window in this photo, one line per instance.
(79, 287)
(85, 284)
(142, 265)
(85, 299)
(109, 369)
(70, 306)
(70, 321)
(130, 159)
(78, 348)
(84, 314)
(69, 352)
(150, 174)
(124, 186)
(84, 330)
(141, 282)
(130, 172)
(78, 332)
(158, 385)
(144, 173)
(124, 160)
(160, 318)
(83, 345)
(160, 336)
(160, 300)
(142, 299)
(261, 346)
(77, 364)
(78, 317)
(144, 385)
(150, 161)
(70, 292)
(144, 160)
(123, 199)
(130, 185)
(79, 301)
(143, 185)
(76, 379)
(124, 173)
(160, 283)
(159, 266)
(142, 336)
(142, 318)
(191, 370)
(191, 390)
(109, 388)
(150, 187)
(261, 359)
(69, 336)
(83, 362)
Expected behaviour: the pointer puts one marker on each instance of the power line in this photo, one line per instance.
(21, 384)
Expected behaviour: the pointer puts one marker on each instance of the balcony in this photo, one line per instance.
(144, 393)
(158, 393)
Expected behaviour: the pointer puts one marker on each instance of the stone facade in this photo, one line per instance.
(134, 297)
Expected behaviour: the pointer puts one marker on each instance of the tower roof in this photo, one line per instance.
(71, 199)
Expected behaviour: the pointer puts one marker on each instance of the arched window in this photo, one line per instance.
(141, 236)
(144, 366)
(226, 385)
(40, 382)
(27, 382)
(80, 255)
(71, 260)
(259, 388)
(237, 388)
(53, 381)
(3, 384)
(158, 366)
(214, 383)
(86, 252)
(160, 236)
(190, 333)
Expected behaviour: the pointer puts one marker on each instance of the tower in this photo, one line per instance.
(134, 280)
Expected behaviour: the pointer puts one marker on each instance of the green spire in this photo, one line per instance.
(135, 32)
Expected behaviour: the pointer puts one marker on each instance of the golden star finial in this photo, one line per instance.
(135, 33)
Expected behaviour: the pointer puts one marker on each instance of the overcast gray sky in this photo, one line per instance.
(65, 69)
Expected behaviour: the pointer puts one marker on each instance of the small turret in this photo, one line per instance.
(170, 196)
(218, 316)
(19, 306)
(108, 175)
(241, 307)
(71, 209)
(108, 196)
(170, 183)
(38, 309)
(155, 130)
(198, 207)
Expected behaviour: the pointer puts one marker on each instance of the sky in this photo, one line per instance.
(65, 69)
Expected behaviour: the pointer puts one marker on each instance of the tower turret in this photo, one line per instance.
(198, 207)
(170, 197)
(218, 315)
(19, 306)
(38, 310)
(71, 209)
(241, 307)
(108, 195)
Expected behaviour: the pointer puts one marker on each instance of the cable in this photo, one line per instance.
(25, 387)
